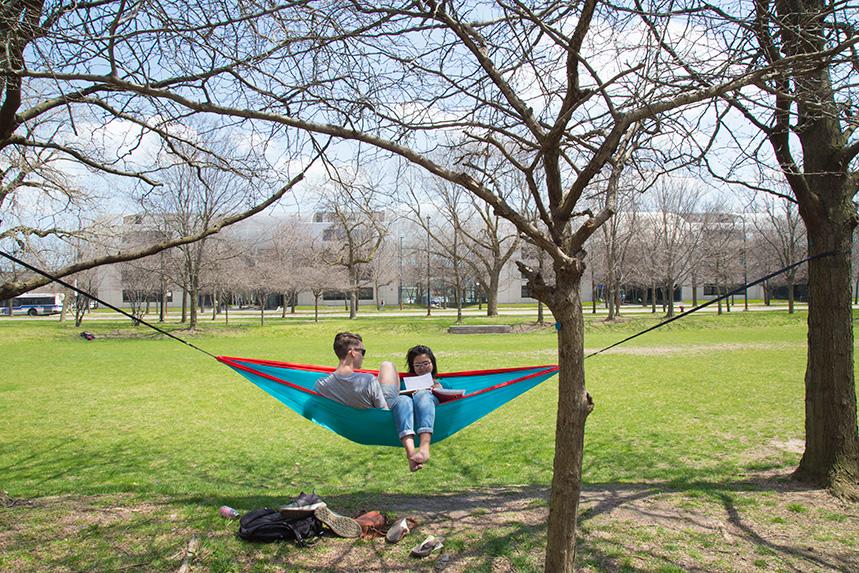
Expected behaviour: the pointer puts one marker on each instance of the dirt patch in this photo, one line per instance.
(760, 522)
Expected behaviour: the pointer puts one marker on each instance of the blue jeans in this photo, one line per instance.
(410, 412)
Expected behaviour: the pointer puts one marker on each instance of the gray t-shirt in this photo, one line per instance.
(359, 390)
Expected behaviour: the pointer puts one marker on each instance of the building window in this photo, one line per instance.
(711, 290)
(364, 293)
(526, 292)
(138, 296)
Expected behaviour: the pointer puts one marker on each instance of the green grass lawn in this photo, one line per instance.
(138, 420)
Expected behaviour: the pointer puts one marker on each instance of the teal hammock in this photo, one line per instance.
(292, 384)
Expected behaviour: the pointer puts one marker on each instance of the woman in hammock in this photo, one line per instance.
(415, 413)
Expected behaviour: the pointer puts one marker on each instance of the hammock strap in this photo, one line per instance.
(98, 300)
(715, 300)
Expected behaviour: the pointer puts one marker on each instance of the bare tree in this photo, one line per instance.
(452, 206)
(527, 79)
(672, 232)
(782, 237)
(802, 118)
(357, 230)
(140, 284)
(613, 246)
(289, 246)
(70, 136)
(721, 252)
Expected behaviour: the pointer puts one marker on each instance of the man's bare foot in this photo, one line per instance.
(424, 453)
(418, 457)
(415, 466)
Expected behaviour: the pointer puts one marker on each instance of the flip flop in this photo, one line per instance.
(398, 531)
(427, 546)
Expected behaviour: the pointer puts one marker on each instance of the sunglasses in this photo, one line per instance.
(363, 351)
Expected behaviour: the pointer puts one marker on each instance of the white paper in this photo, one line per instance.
(413, 383)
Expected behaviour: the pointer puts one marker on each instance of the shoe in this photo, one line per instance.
(341, 525)
(371, 524)
(398, 531)
(302, 506)
(427, 546)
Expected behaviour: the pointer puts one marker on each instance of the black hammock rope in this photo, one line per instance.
(712, 301)
(628, 338)
(98, 300)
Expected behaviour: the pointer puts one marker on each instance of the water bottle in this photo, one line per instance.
(228, 512)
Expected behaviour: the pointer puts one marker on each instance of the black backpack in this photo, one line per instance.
(266, 525)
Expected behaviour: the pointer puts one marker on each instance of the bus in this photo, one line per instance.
(33, 304)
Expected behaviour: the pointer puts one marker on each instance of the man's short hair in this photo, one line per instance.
(344, 341)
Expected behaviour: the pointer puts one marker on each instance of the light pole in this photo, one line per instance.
(429, 299)
(400, 291)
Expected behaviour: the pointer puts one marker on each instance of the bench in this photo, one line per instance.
(481, 329)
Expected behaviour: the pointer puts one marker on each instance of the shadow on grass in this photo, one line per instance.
(492, 530)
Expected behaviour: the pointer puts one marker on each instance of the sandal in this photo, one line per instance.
(398, 531)
(430, 544)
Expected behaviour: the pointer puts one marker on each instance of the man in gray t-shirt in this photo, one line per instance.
(358, 389)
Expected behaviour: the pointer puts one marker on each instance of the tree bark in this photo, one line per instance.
(574, 405)
(184, 305)
(194, 292)
(492, 293)
(790, 295)
(831, 455)
(353, 303)
(669, 293)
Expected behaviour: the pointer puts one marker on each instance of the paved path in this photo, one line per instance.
(247, 315)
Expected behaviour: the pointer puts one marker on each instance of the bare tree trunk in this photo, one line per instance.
(353, 303)
(492, 294)
(719, 294)
(612, 304)
(262, 311)
(653, 298)
(458, 288)
(194, 293)
(227, 313)
(790, 295)
(669, 293)
(316, 308)
(694, 290)
(831, 444)
(574, 405)
(184, 305)
(162, 303)
(62, 313)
